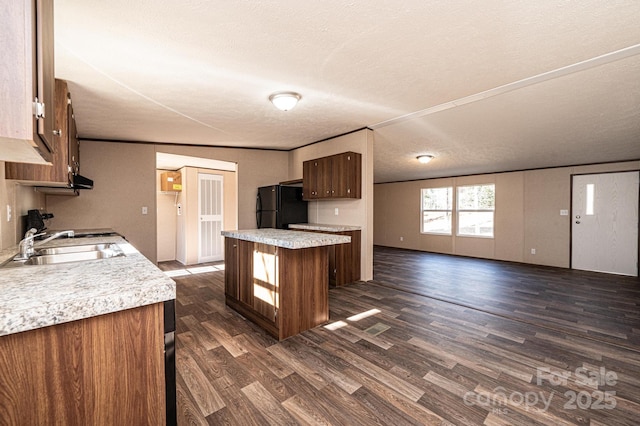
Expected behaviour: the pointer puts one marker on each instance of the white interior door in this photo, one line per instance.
(604, 225)
(210, 242)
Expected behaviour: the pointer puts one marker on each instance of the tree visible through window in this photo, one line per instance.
(476, 206)
(437, 210)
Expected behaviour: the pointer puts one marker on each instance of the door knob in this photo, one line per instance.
(578, 222)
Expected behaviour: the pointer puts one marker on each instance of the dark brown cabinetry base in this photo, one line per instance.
(344, 259)
(107, 369)
(283, 291)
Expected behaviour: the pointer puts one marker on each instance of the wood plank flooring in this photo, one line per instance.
(391, 356)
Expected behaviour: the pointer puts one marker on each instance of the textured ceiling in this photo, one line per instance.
(536, 84)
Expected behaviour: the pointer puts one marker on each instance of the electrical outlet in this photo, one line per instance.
(8, 213)
(533, 251)
(401, 238)
(335, 211)
(145, 210)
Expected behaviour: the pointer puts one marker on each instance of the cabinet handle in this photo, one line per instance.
(57, 132)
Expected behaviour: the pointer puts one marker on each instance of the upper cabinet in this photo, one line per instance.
(334, 177)
(65, 160)
(27, 75)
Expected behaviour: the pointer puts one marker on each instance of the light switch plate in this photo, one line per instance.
(335, 211)
(145, 210)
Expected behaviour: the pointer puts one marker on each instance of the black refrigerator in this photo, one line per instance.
(277, 206)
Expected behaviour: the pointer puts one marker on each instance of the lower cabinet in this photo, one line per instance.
(107, 369)
(344, 259)
(283, 291)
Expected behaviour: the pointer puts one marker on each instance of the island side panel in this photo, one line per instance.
(231, 271)
(304, 289)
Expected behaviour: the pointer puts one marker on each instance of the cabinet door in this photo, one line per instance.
(231, 267)
(340, 175)
(58, 171)
(44, 84)
(346, 175)
(310, 180)
(74, 143)
(325, 180)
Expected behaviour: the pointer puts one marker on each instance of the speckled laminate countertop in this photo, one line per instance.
(287, 239)
(44, 295)
(324, 227)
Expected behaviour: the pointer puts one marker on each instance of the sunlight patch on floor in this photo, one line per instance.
(194, 270)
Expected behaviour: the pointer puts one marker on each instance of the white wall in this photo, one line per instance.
(527, 215)
(351, 212)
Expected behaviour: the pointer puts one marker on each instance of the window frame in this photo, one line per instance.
(449, 210)
(477, 210)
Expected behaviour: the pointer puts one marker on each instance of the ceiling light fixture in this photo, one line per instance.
(284, 101)
(424, 159)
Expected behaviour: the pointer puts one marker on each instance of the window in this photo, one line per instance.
(436, 210)
(476, 205)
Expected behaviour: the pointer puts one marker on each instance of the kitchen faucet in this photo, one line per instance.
(26, 245)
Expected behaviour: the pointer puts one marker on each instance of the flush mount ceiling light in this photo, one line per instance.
(284, 101)
(424, 159)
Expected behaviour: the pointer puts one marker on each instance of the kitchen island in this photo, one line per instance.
(84, 342)
(279, 278)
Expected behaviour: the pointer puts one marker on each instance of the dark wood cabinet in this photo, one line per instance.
(107, 369)
(334, 177)
(344, 259)
(66, 155)
(284, 291)
(27, 105)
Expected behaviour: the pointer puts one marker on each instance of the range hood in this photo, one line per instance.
(78, 182)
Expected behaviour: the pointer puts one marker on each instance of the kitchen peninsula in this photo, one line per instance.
(279, 278)
(86, 342)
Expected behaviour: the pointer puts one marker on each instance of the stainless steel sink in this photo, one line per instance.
(80, 253)
(78, 249)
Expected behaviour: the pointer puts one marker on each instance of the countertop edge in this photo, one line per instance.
(324, 227)
(286, 238)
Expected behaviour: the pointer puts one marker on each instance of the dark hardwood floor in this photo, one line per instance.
(440, 340)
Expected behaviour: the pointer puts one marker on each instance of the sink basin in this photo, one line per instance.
(54, 255)
(78, 249)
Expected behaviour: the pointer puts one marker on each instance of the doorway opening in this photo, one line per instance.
(189, 221)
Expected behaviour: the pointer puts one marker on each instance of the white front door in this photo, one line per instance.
(604, 225)
(210, 242)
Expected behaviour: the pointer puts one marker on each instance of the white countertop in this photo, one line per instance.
(287, 239)
(324, 227)
(44, 295)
